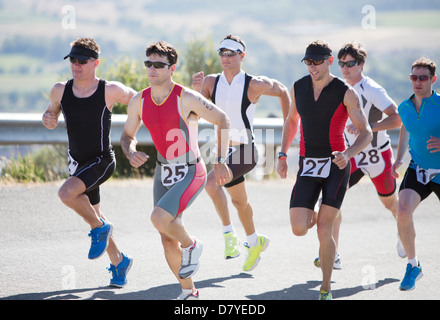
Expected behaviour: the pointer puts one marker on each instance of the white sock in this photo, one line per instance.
(252, 239)
(229, 228)
(414, 262)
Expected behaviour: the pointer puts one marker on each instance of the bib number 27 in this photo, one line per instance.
(316, 167)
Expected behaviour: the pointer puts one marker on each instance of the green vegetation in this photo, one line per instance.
(50, 163)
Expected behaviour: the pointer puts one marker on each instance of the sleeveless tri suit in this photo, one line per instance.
(88, 122)
(322, 132)
(180, 173)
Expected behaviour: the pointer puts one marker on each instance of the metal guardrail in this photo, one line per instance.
(27, 128)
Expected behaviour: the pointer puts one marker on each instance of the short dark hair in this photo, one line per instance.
(354, 49)
(163, 48)
(425, 63)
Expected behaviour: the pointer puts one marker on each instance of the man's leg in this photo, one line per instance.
(301, 220)
(240, 201)
(113, 252)
(408, 202)
(174, 229)
(218, 197)
(173, 253)
(72, 195)
(327, 247)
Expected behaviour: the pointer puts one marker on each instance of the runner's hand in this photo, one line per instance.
(394, 168)
(198, 81)
(50, 120)
(222, 174)
(341, 160)
(282, 168)
(434, 144)
(138, 158)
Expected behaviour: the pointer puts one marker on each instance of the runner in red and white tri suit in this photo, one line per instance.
(381, 111)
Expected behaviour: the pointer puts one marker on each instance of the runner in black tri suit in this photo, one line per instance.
(86, 103)
(323, 103)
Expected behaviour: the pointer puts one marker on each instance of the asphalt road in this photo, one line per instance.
(44, 248)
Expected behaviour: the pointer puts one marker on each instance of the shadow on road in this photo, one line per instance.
(165, 292)
(310, 291)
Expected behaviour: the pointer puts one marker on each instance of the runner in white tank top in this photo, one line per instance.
(237, 94)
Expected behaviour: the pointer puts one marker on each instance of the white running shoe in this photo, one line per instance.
(190, 260)
(188, 295)
(336, 266)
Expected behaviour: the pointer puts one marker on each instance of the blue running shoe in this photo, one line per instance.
(100, 237)
(120, 272)
(412, 274)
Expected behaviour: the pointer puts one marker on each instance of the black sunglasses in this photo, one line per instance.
(422, 78)
(309, 62)
(156, 64)
(349, 64)
(227, 53)
(75, 60)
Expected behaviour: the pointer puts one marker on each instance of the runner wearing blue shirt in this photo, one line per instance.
(420, 132)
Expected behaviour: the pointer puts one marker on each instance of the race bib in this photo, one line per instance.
(72, 163)
(369, 157)
(316, 167)
(426, 175)
(173, 173)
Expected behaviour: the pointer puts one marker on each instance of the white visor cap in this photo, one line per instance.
(231, 45)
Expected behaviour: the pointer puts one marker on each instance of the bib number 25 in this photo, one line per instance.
(173, 173)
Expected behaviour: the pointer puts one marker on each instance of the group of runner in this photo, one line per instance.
(343, 137)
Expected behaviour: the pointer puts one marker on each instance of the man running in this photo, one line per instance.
(171, 112)
(237, 94)
(323, 102)
(377, 158)
(420, 132)
(86, 102)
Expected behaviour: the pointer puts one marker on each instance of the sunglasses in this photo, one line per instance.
(227, 53)
(75, 60)
(309, 62)
(349, 64)
(156, 64)
(422, 78)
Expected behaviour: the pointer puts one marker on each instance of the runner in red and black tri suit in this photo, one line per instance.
(323, 103)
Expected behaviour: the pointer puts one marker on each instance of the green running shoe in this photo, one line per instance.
(324, 295)
(231, 245)
(253, 253)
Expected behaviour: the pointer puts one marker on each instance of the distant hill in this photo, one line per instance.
(35, 37)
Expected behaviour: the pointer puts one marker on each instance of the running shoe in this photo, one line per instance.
(336, 266)
(400, 249)
(231, 245)
(253, 253)
(188, 295)
(120, 272)
(412, 274)
(100, 238)
(190, 260)
(324, 295)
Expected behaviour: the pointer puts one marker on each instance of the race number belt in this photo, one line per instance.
(171, 173)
